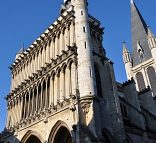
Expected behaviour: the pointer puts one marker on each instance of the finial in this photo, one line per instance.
(65, 1)
(124, 47)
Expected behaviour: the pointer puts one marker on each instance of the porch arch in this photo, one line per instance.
(30, 137)
(60, 133)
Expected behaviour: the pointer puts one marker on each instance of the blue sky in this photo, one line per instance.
(21, 22)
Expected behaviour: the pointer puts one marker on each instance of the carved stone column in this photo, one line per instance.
(21, 106)
(55, 90)
(51, 91)
(71, 33)
(41, 98)
(53, 48)
(56, 47)
(73, 78)
(29, 102)
(46, 98)
(58, 44)
(32, 103)
(61, 85)
(58, 86)
(68, 80)
(61, 44)
(37, 100)
(66, 38)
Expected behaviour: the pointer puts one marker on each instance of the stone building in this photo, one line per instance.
(64, 90)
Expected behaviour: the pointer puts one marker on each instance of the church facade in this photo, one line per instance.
(63, 88)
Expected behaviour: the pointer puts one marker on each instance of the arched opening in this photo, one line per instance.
(152, 79)
(62, 136)
(106, 136)
(60, 133)
(33, 139)
(140, 81)
(98, 81)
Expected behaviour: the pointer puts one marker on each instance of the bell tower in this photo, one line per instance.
(143, 52)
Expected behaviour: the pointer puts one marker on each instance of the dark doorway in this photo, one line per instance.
(63, 136)
(33, 139)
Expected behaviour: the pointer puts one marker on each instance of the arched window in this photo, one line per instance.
(98, 81)
(48, 91)
(152, 79)
(140, 81)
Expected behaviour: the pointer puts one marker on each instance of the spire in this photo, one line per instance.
(126, 54)
(139, 31)
(132, 1)
(125, 50)
(150, 34)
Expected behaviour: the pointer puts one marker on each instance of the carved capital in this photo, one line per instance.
(85, 104)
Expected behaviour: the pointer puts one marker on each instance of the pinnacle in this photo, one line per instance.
(125, 50)
(149, 34)
(132, 1)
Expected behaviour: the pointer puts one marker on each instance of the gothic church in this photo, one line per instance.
(63, 87)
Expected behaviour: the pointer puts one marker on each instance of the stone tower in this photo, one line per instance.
(141, 63)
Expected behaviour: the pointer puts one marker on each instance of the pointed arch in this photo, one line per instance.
(60, 133)
(107, 136)
(30, 136)
(152, 79)
(98, 80)
(140, 81)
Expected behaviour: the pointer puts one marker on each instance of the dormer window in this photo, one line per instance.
(140, 51)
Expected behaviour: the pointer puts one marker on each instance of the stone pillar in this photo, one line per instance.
(51, 91)
(63, 39)
(55, 90)
(21, 106)
(29, 102)
(66, 38)
(56, 48)
(37, 101)
(46, 98)
(61, 85)
(73, 78)
(71, 33)
(41, 98)
(18, 109)
(32, 103)
(58, 44)
(61, 42)
(25, 105)
(53, 48)
(58, 86)
(48, 53)
(13, 113)
(68, 79)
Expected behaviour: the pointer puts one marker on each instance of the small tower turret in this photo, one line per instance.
(127, 61)
(84, 48)
(152, 43)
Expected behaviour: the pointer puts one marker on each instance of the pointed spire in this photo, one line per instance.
(126, 54)
(139, 31)
(149, 33)
(125, 50)
(132, 1)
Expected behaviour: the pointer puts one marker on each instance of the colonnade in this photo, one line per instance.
(33, 60)
(50, 91)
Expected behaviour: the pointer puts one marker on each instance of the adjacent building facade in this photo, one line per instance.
(64, 90)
